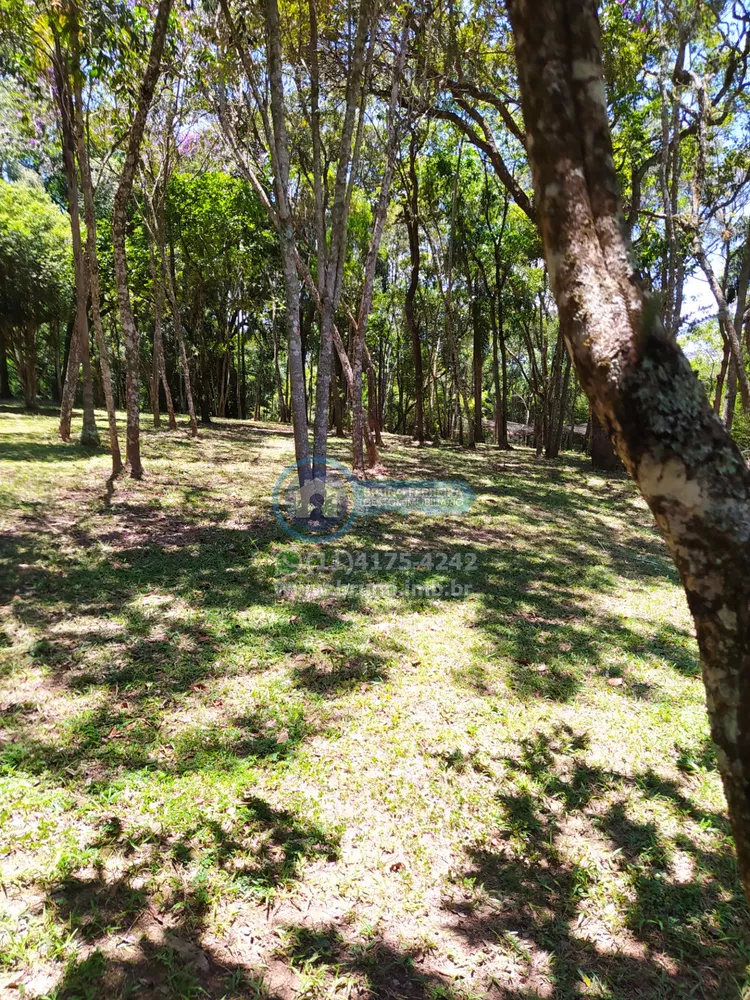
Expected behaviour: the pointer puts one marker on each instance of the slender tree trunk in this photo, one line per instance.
(478, 365)
(412, 325)
(31, 375)
(689, 471)
(280, 153)
(496, 384)
(4, 379)
(81, 353)
(372, 403)
(561, 407)
(365, 305)
(554, 417)
(503, 442)
(167, 278)
(338, 408)
(730, 399)
(159, 364)
(720, 378)
(333, 260)
(92, 261)
(119, 225)
(155, 409)
(24, 344)
(57, 390)
(279, 383)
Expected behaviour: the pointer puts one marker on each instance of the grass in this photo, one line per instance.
(208, 790)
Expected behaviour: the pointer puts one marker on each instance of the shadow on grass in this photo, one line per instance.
(685, 921)
(141, 947)
(172, 604)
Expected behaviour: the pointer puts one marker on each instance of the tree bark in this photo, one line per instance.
(333, 256)
(119, 226)
(280, 160)
(168, 279)
(92, 261)
(686, 466)
(23, 340)
(80, 353)
(4, 379)
(412, 226)
(161, 372)
(720, 378)
(365, 305)
(478, 364)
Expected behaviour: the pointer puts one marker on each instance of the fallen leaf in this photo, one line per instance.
(615, 682)
(293, 619)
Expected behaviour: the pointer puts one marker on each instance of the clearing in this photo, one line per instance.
(206, 790)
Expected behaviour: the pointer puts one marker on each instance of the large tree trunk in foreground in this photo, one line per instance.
(685, 464)
(119, 225)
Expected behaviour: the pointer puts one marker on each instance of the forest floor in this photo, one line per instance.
(208, 791)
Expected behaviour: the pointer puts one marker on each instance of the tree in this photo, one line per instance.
(119, 224)
(639, 382)
(64, 27)
(36, 274)
(92, 259)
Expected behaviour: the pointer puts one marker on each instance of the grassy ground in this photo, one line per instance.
(209, 791)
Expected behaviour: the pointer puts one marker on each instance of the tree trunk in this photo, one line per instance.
(24, 344)
(160, 373)
(554, 417)
(412, 325)
(169, 284)
(373, 416)
(478, 359)
(721, 377)
(119, 225)
(604, 458)
(4, 380)
(560, 416)
(92, 261)
(288, 245)
(283, 418)
(338, 407)
(81, 352)
(730, 399)
(686, 466)
(502, 441)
